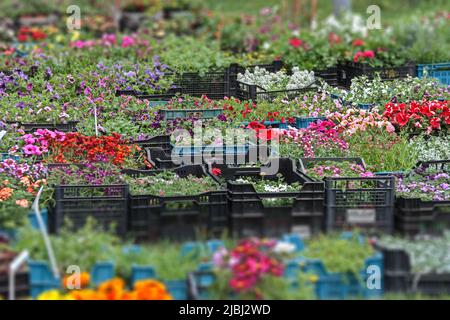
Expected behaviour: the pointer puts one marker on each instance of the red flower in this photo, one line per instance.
(295, 42)
(22, 37)
(255, 125)
(435, 123)
(368, 54)
(358, 43)
(401, 119)
(216, 171)
(333, 38)
(357, 56)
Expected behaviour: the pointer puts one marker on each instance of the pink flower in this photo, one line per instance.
(127, 41)
(368, 54)
(30, 149)
(390, 128)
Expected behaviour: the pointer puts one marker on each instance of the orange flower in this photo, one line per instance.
(85, 279)
(85, 294)
(5, 193)
(112, 289)
(22, 203)
(25, 181)
(151, 290)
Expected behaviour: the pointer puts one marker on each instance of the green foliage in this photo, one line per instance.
(382, 151)
(339, 255)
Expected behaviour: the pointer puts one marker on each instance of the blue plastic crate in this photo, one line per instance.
(158, 103)
(194, 113)
(196, 150)
(365, 106)
(177, 288)
(34, 221)
(41, 278)
(294, 239)
(101, 272)
(304, 122)
(389, 173)
(440, 71)
(340, 286)
(4, 156)
(142, 273)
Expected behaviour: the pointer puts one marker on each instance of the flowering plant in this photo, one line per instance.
(353, 120)
(168, 183)
(38, 108)
(427, 184)
(273, 81)
(187, 102)
(247, 270)
(431, 147)
(419, 116)
(73, 147)
(276, 186)
(113, 289)
(19, 185)
(320, 139)
(337, 169)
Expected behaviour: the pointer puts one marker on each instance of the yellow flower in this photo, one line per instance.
(313, 278)
(50, 295)
(75, 36)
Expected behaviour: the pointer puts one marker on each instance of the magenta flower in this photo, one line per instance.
(30, 149)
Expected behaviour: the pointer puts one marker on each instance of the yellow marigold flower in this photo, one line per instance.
(50, 295)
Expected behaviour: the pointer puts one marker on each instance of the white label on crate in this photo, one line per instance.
(303, 231)
(358, 216)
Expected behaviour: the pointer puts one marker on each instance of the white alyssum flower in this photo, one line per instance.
(277, 80)
(284, 247)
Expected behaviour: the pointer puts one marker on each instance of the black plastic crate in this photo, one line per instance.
(251, 217)
(70, 126)
(366, 203)
(154, 218)
(107, 204)
(162, 142)
(22, 288)
(213, 84)
(246, 91)
(21, 277)
(399, 278)
(350, 70)
(414, 216)
(160, 158)
(329, 75)
(441, 165)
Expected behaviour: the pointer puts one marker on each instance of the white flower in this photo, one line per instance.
(284, 247)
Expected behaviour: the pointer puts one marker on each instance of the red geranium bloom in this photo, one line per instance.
(255, 125)
(22, 37)
(358, 43)
(216, 171)
(435, 123)
(368, 54)
(401, 119)
(295, 42)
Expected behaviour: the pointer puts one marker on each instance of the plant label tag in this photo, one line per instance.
(2, 134)
(361, 216)
(303, 231)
